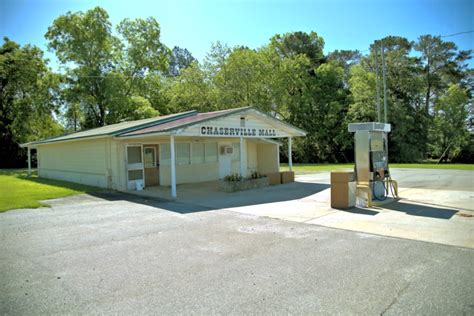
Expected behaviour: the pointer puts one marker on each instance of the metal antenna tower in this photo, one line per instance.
(377, 84)
(384, 86)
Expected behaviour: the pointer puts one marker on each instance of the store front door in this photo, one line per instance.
(225, 160)
(152, 166)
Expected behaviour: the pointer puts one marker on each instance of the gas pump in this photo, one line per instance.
(374, 182)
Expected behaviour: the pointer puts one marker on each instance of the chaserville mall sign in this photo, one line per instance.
(237, 131)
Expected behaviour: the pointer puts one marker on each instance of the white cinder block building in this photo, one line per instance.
(187, 147)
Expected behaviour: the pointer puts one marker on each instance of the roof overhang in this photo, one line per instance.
(187, 126)
(181, 124)
(46, 141)
(112, 130)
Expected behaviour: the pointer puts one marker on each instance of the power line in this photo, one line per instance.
(459, 33)
(448, 35)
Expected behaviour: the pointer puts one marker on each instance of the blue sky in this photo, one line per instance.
(196, 24)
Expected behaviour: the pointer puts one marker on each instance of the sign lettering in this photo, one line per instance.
(237, 131)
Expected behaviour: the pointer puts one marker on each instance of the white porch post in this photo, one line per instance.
(173, 167)
(29, 161)
(290, 159)
(242, 171)
(278, 156)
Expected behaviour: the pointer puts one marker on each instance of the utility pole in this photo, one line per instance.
(377, 83)
(384, 86)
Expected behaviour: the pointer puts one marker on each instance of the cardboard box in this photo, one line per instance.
(287, 176)
(343, 195)
(342, 176)
(273, 178)
(343, 188)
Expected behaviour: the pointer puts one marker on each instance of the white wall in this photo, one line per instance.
(77, 161)
(267, 158)
(252, 162)
(117, 158)
(190, 173)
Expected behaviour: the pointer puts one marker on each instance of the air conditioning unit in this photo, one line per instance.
(227, 150)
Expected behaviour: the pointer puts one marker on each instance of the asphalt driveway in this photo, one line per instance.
(127, 255)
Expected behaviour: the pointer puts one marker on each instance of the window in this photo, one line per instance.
(236, 154)
(150, 157)
(134, 154)
(198, 152)
(210, 152)
(183, 153)
(135, 175)
(202, 153)
(165, 154)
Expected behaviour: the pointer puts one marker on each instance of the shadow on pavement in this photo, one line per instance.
(270, 194)
(356, 210)
(421, 210)
(178, 207)
(219, 200)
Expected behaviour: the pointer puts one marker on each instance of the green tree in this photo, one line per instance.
(345, 59)
(291, 44)
(143, 52)
(215, 69)
(443, 64)
(409, 136)
(85, 40)
(289, 83)
(362, 86)
(322, 116)
(242, 80)
(140, 108)
(190, 91)
(180, 59)
(104, 71)
(317, 95)
(73, 117)
(154, 88)
(449, 131)
(28, 100)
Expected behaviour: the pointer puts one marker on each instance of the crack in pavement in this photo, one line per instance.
(395, 299)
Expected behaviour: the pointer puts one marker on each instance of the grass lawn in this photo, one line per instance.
(301, 168)
(17, 190)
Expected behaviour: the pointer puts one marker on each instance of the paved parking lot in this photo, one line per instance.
(120, 254)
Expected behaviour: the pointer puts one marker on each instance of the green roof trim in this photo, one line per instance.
(159, 121)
